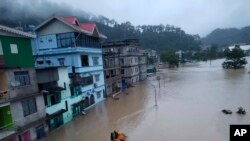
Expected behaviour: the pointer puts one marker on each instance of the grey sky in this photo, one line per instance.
(193, 16)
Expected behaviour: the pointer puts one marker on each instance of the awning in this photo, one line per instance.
(51, 116)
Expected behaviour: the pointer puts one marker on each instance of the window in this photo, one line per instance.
(1, 49)
(29, 106)
(95, 61)
(54, 99)
(84, 81)
(122, 71)
(22, 77)
(65, 39)
(97, 77)
(61, 61)
(122, 61)
(39, 62)
(136, 69)
(84, 60)
(13, 48)
(83, 40)
(98, 94)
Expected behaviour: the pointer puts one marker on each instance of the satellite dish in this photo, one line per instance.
(15, 83)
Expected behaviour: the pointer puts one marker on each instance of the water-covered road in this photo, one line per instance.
(190, 100)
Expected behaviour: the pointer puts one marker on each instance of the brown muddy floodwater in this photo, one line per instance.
(190, 100)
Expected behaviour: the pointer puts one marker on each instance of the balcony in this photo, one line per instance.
(55, 108)
(111, 65)
(77, 80)
(7, 130)
(88, 69)
(110, 80)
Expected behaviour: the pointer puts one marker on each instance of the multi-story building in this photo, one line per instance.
(112, 70)
(63, 41)
(142, 65)
(22, 109)
(153, 56)
(131, 60)
(54, 82)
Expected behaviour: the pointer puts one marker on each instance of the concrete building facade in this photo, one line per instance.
(132, 60)
(22, 109)
(63, 41)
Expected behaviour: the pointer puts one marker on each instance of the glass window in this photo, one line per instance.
(29, 106)
(13, 48)
(95, 61)
(97, 77)
(22, 77)
(65, 39)
(98, 94)
(86, 80)
(84, 60)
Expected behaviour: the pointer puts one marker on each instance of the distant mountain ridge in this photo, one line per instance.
(157, 37)
(228, 36)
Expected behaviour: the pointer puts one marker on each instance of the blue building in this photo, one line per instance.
(63, 41)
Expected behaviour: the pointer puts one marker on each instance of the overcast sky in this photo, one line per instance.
(193, 16)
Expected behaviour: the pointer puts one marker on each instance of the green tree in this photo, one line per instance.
(234, 59)
(171, 58)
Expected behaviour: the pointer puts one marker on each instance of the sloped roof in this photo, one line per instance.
(16, 32)
(72, 22)
(88, 26)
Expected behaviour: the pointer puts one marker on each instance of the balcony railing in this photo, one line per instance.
(114, 65)
(7, 130)
(112, 79)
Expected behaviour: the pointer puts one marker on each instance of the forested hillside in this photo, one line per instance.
(158, 37)
(228, 36)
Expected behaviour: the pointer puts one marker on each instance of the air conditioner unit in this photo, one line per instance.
(15, 83)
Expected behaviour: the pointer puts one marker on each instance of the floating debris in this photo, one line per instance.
(241, 111)
(226, 111)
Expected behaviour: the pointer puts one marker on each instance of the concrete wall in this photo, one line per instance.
(54, 27)
(129, 61)
(17, 112)
(44, 42)
(131, 71)
(22, 90)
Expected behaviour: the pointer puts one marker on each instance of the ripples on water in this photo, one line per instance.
(190, 101)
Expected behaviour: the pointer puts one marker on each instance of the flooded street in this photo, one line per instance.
(190, 100)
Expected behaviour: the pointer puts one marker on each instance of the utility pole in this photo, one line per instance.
(155, 96)
(159, 78)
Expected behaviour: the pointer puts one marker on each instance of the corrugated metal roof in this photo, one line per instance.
(16, 32)
(88, 26)
(71, 21)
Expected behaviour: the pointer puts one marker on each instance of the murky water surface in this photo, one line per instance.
(190, 100)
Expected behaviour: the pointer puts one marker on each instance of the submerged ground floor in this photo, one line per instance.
(190, 100)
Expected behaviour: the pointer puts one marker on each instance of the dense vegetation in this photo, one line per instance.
(234, 59)
(228, 36)
(171, 58)
(158, 37)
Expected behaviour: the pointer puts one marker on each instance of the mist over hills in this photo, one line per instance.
(159, 37)
(228, 36)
